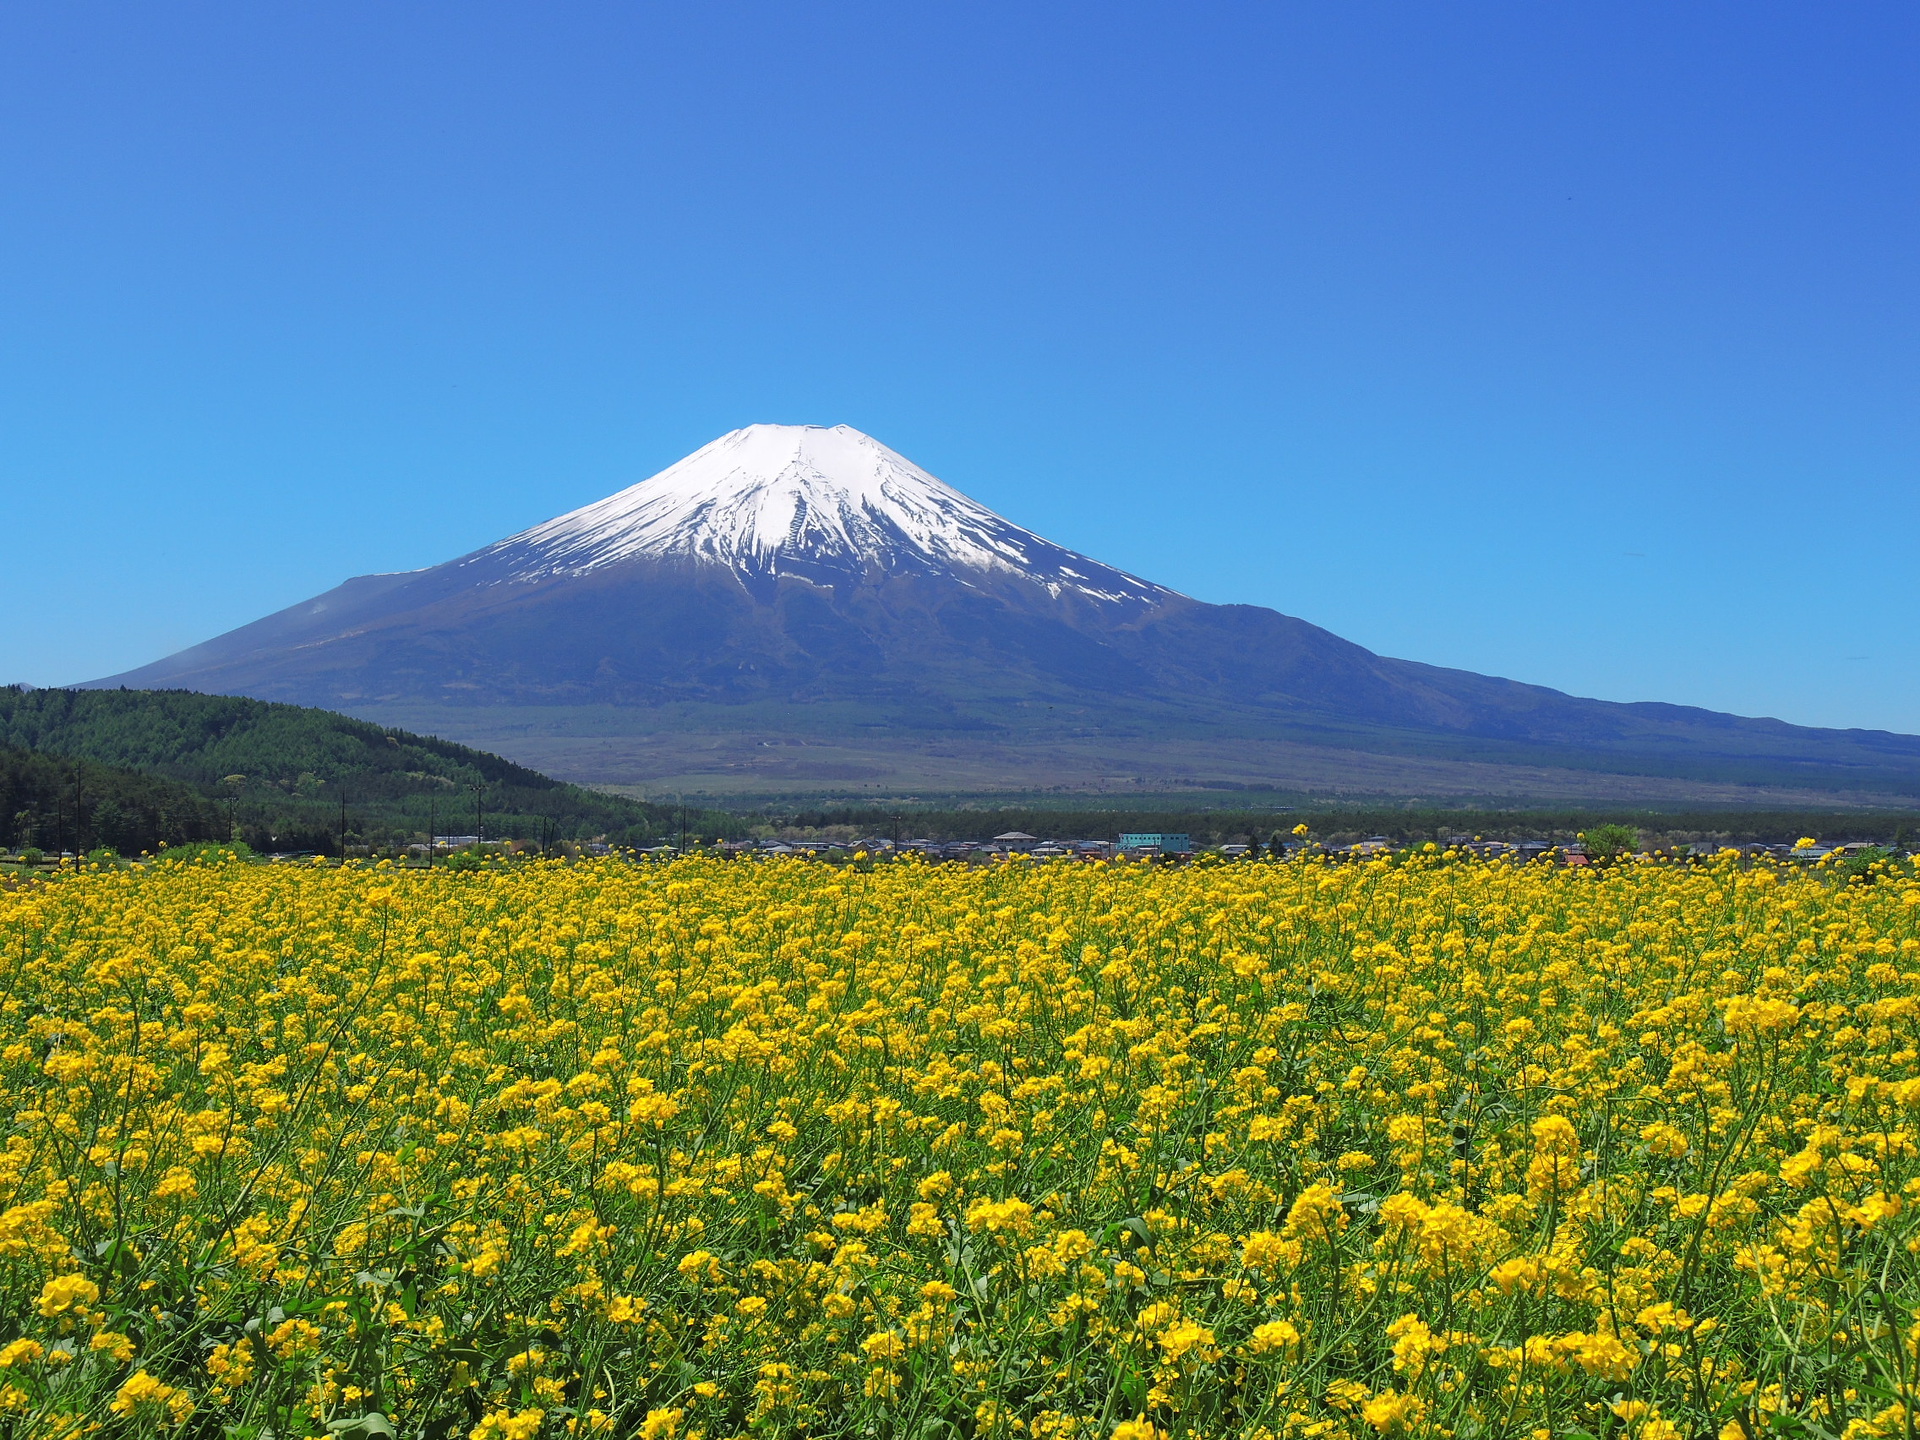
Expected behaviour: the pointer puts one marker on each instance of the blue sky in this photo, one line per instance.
(1575, 343)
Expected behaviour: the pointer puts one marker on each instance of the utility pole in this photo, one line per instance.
(478, 833)
(76, 814)
(433, 824)
(343, 822)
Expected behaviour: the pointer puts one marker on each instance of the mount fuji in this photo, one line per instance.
(799, 608)
(826, 505)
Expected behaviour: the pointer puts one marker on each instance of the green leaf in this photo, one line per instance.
(372, 1423)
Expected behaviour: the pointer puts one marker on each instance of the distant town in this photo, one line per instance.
(1175, 848)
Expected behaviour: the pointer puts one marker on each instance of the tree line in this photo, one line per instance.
(1402, 824)
(55, 803)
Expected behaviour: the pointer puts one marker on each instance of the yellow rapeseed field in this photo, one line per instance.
(1425, 1146)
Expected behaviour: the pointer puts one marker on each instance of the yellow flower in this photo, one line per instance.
(113, 1344)
(1000, 1217)
(1274, 1336)
(1750, 1015)
(655, 1110)
(1185, 1338)
(924, 1219)
(1264, 1250)
(65, 1293)
(1316, 1213)
(294, 1337)
(1663, 1317)
(1645, 1420)
(1602, 1355)
(883, 1346)
(143, 1397)
(1555, 1135)
(1664, 1140)
(508, 1425)
(1414, 1344)
(1393, 1413)
(231, 1365)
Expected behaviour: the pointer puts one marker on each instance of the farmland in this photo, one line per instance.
(1419, 1146)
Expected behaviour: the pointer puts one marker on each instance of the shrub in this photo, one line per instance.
(1864, 864)
(1610, 842)
(211, 850)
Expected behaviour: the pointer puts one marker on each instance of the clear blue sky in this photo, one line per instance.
(1576, 343)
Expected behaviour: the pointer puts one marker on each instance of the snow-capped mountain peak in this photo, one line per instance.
(801, 499)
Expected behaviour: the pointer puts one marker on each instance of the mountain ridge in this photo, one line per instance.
(780, 568)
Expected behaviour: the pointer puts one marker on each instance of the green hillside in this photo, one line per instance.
(281, 776)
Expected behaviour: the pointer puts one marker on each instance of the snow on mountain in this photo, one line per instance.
(797, 500)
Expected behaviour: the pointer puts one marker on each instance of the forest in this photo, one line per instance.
(134, 769)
